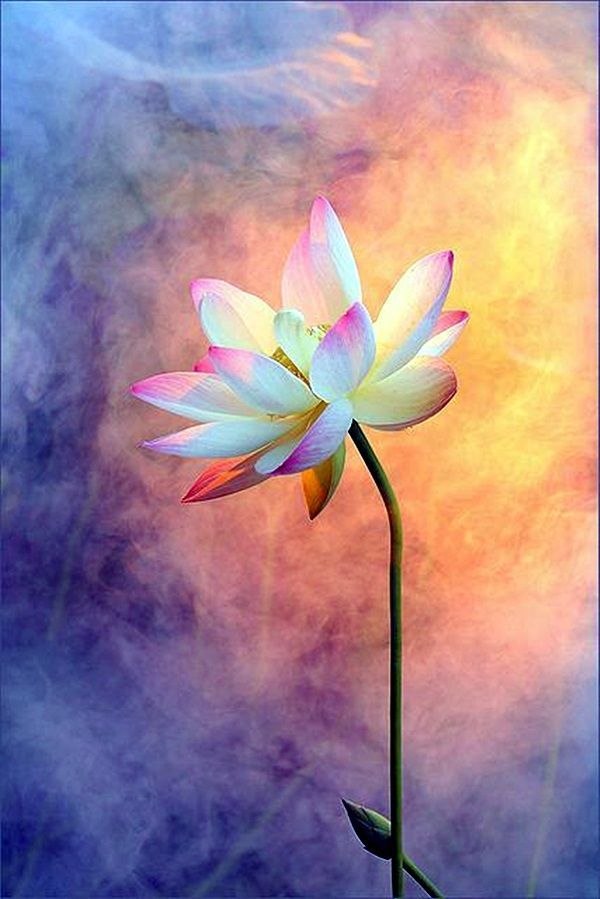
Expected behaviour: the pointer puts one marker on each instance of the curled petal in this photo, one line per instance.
(344, 356)
(409, 396)
(411, 311)
(448, 329)
(319, 442)
(320, 276)
(220, 439)
(262, 382)
(233, 318)
(320, 483)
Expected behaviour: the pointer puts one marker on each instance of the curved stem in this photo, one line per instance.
(393, 513)
(421, 878)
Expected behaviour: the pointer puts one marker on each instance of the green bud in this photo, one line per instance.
(372, 829)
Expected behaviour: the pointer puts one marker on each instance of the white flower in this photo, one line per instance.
(281, 389)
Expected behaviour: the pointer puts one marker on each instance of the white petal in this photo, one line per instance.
(262, 382)
(292, 336)
(409, 396)
(195, 395)
(276, 455)
(233, 318)
(448, 329)
(344, 356)
(221, 439)
(410, 312)
(319, 442)
(320, 276)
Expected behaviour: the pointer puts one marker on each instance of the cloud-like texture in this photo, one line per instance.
(190, 689)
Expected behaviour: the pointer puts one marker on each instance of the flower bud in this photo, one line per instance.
(372, 829)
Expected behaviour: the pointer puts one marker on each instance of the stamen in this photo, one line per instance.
(280, 355)
(318, 331)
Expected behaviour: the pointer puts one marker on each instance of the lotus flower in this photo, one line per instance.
(278, 390)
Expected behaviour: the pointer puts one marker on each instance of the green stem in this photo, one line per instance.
(421, 878)
(393, 512)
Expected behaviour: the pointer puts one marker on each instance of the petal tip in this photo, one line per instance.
(216, 352)
(155, 444)
(320, 201)
(199, 287)
(441, 256)
(195, 292)
(320, 214)
(204, 366)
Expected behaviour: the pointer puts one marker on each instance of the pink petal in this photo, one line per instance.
(262, 382)
(224, 478)
(320, 277)
(195, 395)
(410, 313)
(233, 318)
(321, 440)
(415, 392)
(448, 329)
(204, 365)
(344, 356)
(221, 439)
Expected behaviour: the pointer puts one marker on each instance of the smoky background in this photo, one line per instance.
(188, 691)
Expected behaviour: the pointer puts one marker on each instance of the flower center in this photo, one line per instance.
(317, 332)
(282, 357)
